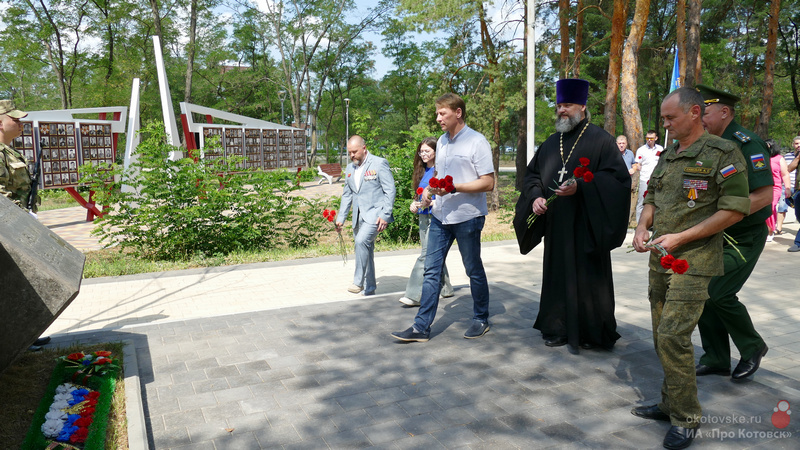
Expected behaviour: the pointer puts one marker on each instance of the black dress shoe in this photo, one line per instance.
(587, 345)
(555, 341)
(652, 412)
(679, 437)
(702, 370)
(747, 367)
(42, 341)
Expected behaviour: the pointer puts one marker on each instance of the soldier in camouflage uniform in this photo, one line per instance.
(724, 314)
(15, 178)
(698, 188)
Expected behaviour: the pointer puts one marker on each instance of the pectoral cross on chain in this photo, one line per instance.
(561, 173)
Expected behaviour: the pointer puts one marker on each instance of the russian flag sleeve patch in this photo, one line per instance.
(727, 171)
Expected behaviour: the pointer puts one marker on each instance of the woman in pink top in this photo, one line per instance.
(780, 176)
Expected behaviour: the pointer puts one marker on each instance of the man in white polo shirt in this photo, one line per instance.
(465, 155)
(647, 158)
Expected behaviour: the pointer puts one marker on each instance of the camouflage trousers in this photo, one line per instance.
(676, 303)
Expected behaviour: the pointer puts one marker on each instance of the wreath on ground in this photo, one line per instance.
(74, 411)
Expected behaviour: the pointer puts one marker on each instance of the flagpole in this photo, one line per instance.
(675, 83)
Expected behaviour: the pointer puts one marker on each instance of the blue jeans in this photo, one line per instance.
(440, 239)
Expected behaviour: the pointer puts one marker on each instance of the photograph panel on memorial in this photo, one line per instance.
(59, 148)
(299, 148)
(96, 143)
(286, 148)
(234, 145)
(25, 144)
(211, 153)
(252, 148)
(269, 141)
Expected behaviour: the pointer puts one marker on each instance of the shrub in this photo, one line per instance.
(194, 207)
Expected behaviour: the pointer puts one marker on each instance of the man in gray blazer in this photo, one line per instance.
(369, 190)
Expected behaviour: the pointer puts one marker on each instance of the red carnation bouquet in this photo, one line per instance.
(330, 216)
(580, 172)
(668, 261)
(445, 183)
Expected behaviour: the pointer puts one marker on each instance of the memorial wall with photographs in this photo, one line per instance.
(261, 148)
(65, 146)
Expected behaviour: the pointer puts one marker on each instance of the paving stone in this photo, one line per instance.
(421, 442)
(420, 424)
(233, 394)
(277, 436)
(222, 411)
(222, 372)
(258, 404)
(356, 401)
(245, 380)
(249, 422)
(238, 441)
(347, 439)
(197, 401)
(383, 433)
(183, 419)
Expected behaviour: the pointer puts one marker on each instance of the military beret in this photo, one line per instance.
(711, 95)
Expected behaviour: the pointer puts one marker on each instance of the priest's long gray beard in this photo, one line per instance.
(566, 124)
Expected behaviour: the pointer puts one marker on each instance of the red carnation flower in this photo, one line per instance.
(420, 191)
(83, 422)
(588, 176)
(584, 161)
(76, 356)
(579, 171)
(434, 183)
(666, 261)
(79, 435)
(449, 186)
(93, 395)
(102, 353)
(680, 266)
(449, 179)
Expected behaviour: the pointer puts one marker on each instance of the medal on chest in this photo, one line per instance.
(693, 186)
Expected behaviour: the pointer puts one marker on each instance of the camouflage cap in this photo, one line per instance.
(711, 96)
(8, 108)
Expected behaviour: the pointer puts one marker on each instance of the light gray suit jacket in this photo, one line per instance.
(375, 196)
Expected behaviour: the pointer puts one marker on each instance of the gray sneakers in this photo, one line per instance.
(794, 248)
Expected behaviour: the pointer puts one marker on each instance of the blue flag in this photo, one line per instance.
(676, 74)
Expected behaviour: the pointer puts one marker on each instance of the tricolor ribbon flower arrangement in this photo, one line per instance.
(580, 172)
(70, 414)
(330, 216)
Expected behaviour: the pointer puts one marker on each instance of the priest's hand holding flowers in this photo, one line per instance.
(567, 188)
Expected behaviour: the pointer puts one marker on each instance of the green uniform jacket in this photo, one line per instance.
(710, 176)
(759, 174)
(15, 179)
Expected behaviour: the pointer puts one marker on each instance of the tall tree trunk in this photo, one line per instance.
(680, 38)
(762, 127)
(618, 20)
(157, 21)
(578, 39)
(563, 19)
(631, 115)
(190, 52)
(693, 44)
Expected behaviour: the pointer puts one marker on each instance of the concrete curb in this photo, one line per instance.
(137, 430)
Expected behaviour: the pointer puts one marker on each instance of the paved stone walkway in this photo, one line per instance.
(278, 355)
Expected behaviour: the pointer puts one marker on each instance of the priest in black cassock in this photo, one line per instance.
(580, 227)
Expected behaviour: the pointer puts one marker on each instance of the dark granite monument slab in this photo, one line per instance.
(40, 274)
